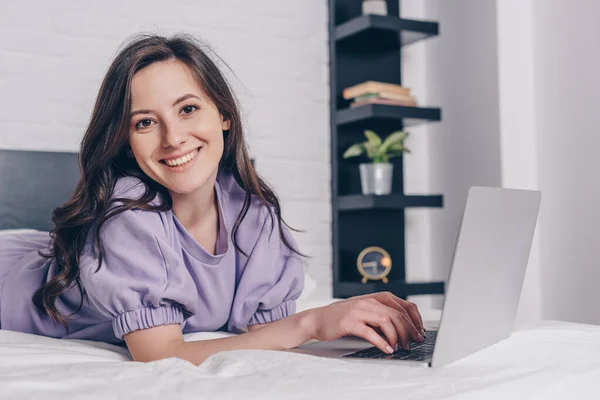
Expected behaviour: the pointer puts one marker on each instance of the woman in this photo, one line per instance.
(170, 230)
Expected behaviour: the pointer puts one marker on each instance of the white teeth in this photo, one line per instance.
(181, 160)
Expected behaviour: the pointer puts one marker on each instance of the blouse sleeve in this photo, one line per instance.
(142, 282)
(270, 283)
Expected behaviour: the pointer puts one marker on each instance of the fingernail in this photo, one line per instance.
(389, 350)
(420, 337)
(397, 347)
(408, 346)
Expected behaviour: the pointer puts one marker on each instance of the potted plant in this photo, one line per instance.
(376, 176)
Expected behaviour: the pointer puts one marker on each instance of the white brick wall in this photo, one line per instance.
(54, 54)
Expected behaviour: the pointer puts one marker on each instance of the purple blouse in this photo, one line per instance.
(155, 273)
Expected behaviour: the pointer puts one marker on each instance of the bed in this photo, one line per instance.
(548, 360)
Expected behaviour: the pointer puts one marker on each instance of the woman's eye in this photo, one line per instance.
(143, 123)
(189, 109)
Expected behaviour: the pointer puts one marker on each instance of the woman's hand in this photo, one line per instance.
(398, 320)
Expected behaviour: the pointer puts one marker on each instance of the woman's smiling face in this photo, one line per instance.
(175, 131)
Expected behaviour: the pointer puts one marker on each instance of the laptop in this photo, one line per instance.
(484, 286)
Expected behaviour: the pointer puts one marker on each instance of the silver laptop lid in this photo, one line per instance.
(487, 272)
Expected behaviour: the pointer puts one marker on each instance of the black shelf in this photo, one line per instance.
(408, 115)
(369, 48)
(384, 32)
(390, 201)
(400, 288)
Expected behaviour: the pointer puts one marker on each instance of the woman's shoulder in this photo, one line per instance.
(236, 196)
(130, 223)
(131, 187)
(229, 186)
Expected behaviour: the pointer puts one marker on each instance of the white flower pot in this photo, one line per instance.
(377, 7)
(376, 178)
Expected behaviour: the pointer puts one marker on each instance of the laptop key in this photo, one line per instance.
(419, 351)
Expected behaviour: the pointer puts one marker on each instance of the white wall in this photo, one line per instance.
(567, 98)
(519, 144)
(549, 62)
(54, 55)
(458, 72)
(417, 173)
(463, 80)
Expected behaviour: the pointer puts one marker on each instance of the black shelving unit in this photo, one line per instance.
(362, 48)
(409, 115)
(394, 201)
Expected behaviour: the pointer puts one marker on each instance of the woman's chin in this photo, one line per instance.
(185, 185)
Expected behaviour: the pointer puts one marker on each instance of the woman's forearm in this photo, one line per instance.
(284, 334)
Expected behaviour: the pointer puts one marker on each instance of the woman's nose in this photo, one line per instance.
(173, 136)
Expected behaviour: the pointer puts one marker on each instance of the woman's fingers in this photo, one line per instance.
(387, 325)
(406, 327)
(402, 323)
(415, 315)
(366, 332)
(401, 305)
(396, 303)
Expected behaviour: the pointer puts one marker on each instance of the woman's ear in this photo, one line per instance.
(225, 125)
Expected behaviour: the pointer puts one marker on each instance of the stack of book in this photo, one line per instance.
(372, 92)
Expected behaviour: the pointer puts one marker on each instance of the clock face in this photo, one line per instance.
(374, 263)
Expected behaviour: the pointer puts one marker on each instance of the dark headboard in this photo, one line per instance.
(32, 184)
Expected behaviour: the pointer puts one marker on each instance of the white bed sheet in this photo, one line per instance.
(553, 360)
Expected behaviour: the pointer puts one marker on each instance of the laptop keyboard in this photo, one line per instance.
(418, 351)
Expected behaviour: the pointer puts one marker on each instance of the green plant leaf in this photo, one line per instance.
(393, 138)
(373, 138)
(354, 150)
(397, 153)
(371, 149)
(396, 147)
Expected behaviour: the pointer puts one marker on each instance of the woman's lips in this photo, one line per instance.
(185, 165)
(193, 153)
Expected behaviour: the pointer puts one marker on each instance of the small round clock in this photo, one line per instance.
(374, 263)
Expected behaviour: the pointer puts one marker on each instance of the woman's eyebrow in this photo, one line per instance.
(185, 97)
(179, 100)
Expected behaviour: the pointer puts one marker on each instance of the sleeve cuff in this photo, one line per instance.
(281, 311)
(145, 318)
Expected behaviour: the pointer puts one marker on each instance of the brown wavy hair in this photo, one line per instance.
(103, 159)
